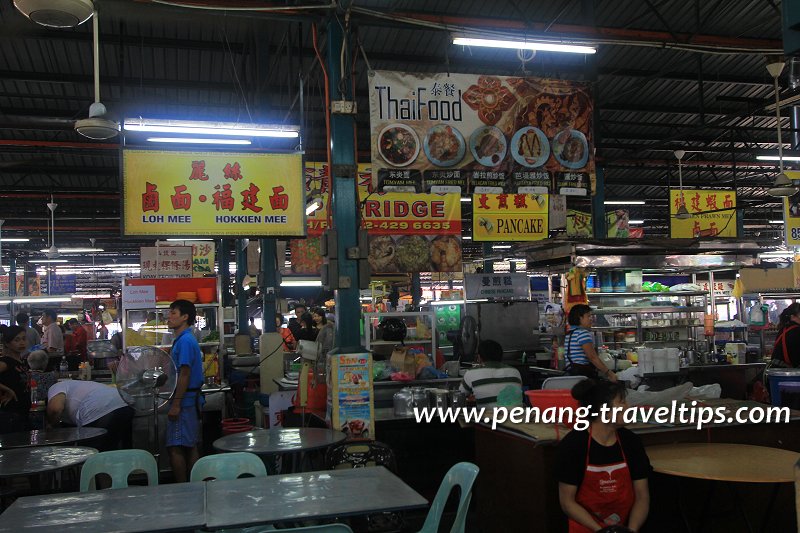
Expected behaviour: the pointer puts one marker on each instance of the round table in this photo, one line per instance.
(50, 437)
(42, 459)
(289, 441)
(726, 463)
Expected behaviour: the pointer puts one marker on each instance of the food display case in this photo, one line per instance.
(420, 327)
(659, 318)
(762, 313)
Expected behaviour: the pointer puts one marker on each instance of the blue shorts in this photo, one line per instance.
(185, 431)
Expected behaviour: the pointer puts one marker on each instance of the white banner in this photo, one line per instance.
(166, 262)
(507, 286)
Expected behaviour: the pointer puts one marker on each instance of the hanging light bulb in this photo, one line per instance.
(782, 186)
(682, 213)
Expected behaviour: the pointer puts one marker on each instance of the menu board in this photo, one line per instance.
(791, 213)
(212, 194)
(413, 232)
(350, 395)
(712, 213)
(509, 217)
(481, 133)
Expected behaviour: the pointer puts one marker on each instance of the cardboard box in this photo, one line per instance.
(766, 279)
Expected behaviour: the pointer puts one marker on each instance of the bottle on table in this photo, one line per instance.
(63, 368)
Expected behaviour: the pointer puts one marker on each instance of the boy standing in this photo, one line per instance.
(184, 412)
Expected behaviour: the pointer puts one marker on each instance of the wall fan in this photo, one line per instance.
(146, 380)
(96, 126)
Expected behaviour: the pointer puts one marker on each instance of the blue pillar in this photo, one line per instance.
(344, 199)
(223, 259)
(241, 295)
(12, 276)
(488, 265)
(598, 206)
(269, 284)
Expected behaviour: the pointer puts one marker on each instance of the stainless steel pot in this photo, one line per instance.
(420, 397)
(439, 398)
(458, 398)
(403, 403)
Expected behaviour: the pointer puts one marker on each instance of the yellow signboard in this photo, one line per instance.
(712, 213)
(212, 194)
(509, 217)
(791, 213)
(579, 224)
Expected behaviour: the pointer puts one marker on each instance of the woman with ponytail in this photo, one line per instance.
(603, 470)
(786, 352)
(15, 395)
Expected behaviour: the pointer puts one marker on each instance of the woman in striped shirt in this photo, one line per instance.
(582, 359)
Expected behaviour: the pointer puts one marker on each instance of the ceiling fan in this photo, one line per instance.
(56, 13)
(96, 126)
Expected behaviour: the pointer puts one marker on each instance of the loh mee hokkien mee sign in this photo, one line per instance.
(438, 132)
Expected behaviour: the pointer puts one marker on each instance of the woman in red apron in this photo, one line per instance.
(602, 471)
(786, 352)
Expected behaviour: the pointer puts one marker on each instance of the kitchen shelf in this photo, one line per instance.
(643, 294)
(371, 321)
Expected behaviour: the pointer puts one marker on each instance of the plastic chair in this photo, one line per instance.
(118, 464)
(227, 466)
(562, 382)
(462, 475)
(360, 454)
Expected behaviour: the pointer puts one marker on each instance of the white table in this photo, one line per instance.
(306, 496)
(175, 507)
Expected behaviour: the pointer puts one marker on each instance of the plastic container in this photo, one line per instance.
(776, 376)
(618, 281)
(659, 360)
(206, 295)
(554, 398)
(606, 282)
(188, 296)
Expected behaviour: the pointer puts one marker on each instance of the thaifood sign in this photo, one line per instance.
(485, 134)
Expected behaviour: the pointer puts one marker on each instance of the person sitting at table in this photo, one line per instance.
(88, 403)
(14, 375)
(602, 471)
(786, 350)
(493, 384)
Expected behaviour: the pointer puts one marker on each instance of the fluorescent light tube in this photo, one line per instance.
(624, 202)
(526, 45)
(776, 158)
(208, 128)
(41, 299)
(50, 261)
(466, 238)
(447, 302)
(775, 221)
(74, 250)
(5, 302)
(501, 247)
(92, 296)
(636, 222)
(299, 283)
(14, 239)
(188, 239)
(466, 199)
(187, 140)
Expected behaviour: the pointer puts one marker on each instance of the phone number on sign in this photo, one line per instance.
(401, 225)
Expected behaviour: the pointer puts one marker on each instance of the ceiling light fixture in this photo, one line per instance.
(466, 199)
(543, 46)
(41, 299)
(682, 213)
(301, 283)
(74, 250)
(783, 186)
(209, 128)
(775, 221)
(37, 261)
(778, 158)
(52, 252)
(636, 222)
(501, 247)
(96, 127)
(187, 239)
(56, 13)
(313, 206)
(13, 239)
(188, 140)
(624, 202)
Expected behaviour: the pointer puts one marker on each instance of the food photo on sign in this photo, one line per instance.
(479, 131)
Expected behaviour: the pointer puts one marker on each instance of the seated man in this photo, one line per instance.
(493, 384)
(88, 403)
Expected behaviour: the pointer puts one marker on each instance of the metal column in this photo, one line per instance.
(269, 284)
(223, 259)
(241, 296)
(598, 206)
(344, 199)
(12, 276)
(488, 265)
(416, 290)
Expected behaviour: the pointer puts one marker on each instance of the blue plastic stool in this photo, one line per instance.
(461, 475)
(118, 464)
(228, 466)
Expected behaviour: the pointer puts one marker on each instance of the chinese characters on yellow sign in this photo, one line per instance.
(212, 193)
(509, 217)
(712, 213)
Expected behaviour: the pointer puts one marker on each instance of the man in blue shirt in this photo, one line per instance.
(183, 426)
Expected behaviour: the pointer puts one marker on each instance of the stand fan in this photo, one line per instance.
(146, 379)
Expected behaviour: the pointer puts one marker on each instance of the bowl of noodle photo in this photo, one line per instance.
(398, 145)
(444, 145)
(571, 149)
(530, 147)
